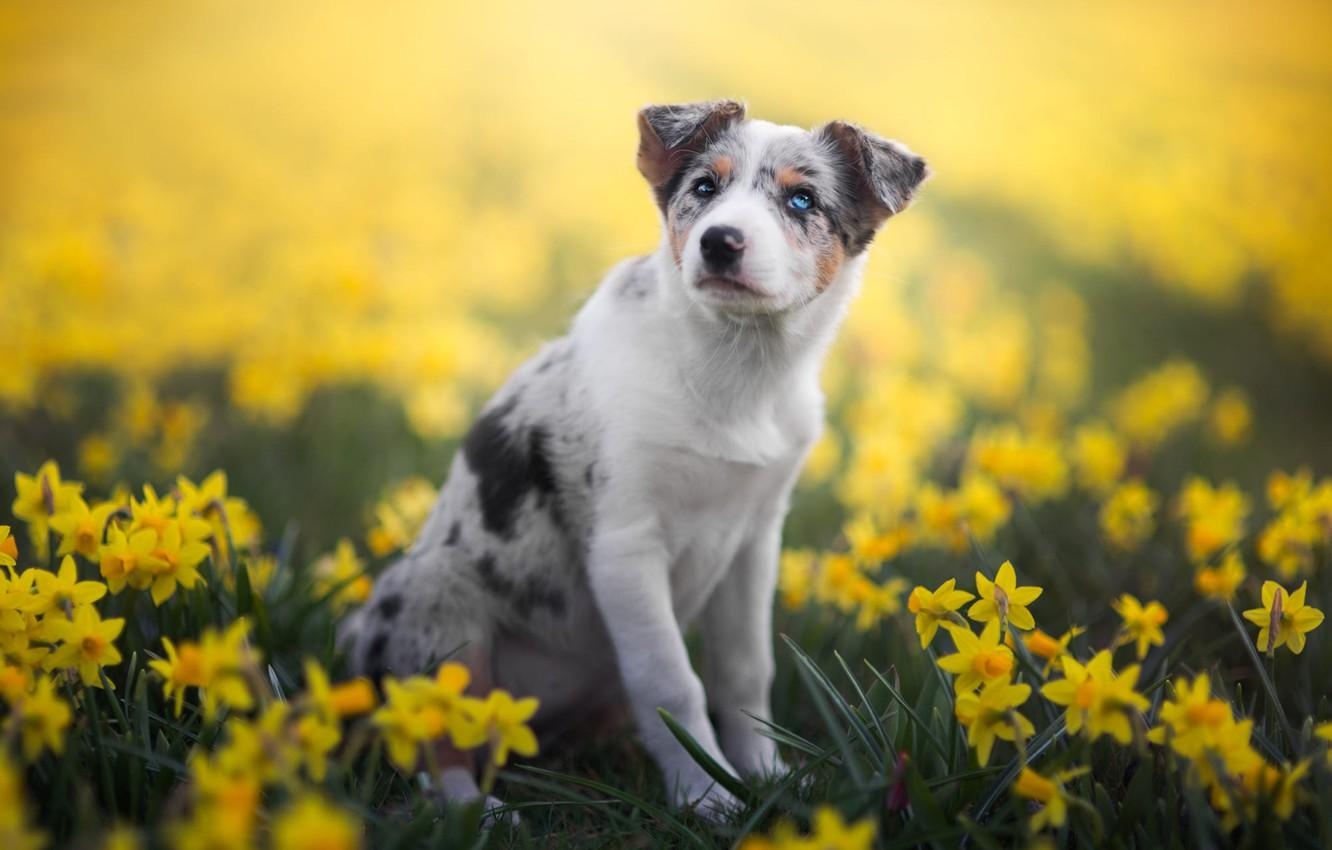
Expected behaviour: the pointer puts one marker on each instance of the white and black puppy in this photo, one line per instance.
(632, 478)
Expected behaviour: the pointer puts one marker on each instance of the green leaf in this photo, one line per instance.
(1273, 700)
(721, 775)
(916, 722)
(823, 693)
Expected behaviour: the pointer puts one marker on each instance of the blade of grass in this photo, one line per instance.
(818, 688)
(721, 775)
(886, 753)
(793, 780)
(1035, 747)
(911, 713)
(1268, 685)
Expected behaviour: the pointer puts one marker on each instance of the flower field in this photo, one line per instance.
(1055, 575)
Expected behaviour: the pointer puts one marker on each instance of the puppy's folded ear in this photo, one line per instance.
(882, 176)
(670, 135)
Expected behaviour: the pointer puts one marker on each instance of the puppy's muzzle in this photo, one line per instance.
(722, 246)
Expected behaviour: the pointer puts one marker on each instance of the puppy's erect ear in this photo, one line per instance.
(883, 177)
(669, 135)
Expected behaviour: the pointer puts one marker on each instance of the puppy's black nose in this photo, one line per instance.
(722, 246)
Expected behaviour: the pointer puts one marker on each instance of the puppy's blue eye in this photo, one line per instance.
(705, 186)
(801, 202)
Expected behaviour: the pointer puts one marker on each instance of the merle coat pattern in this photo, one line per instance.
(631, 479)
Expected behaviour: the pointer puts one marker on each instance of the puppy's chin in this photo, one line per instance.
(734, 294)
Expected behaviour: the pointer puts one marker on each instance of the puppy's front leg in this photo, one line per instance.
(737, 653)
(629, 572)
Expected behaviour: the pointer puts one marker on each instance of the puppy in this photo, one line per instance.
(632, 478)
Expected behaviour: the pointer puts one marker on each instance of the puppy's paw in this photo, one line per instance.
(714, 804)
(755, 755)
(492, 816)
(457, 787)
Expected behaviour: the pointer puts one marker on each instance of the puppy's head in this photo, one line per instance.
(762, 217)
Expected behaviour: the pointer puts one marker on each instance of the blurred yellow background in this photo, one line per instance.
(411, 195)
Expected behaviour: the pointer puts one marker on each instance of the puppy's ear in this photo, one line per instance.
(882, 176)
(669, 135)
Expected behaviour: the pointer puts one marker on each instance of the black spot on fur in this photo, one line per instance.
(491, 579)
(374, 657)
(526, 596)
(506, 469)
(455, 533)
(389, 607)
(541, 474)
(534, 594)
(590, 475)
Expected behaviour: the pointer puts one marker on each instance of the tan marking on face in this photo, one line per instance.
(829, 263)
(788, 177)
(722, 166)
(678, 239)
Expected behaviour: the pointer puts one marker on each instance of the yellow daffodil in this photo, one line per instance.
(15, 831)
(8, 548)
(1099, 455)
(1141, 623)
(1198, 727)
(315, 738)
(828, 831)
(1051, 649)
(1230, 420)
(1324, 731)
(874, 601)
(129, 559)
(40, 720)
(1156, 405)
(838, 581)
(1128, 517)
(1264, 783)
(400, 515)
(982, 508)
(1096, 698)
(402, 725)
(15, 681)
(991, 715)
(310, 823)
(831, 831)
(1003, 600)
(152, 511)
(795, 578)
(80, 528)
(341, 577)
(505, 723)
(1222, 581)
(62, 591)
(1284, 619)
(1049, 792)
(1213, 516)
(935, 607)
(1028, 464)
(40, 497)
(88, 644)
(219, 666)
(870, 545)
(176, 563)
(978, 659)
(333, 703)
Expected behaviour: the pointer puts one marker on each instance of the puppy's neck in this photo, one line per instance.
(736, 364)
